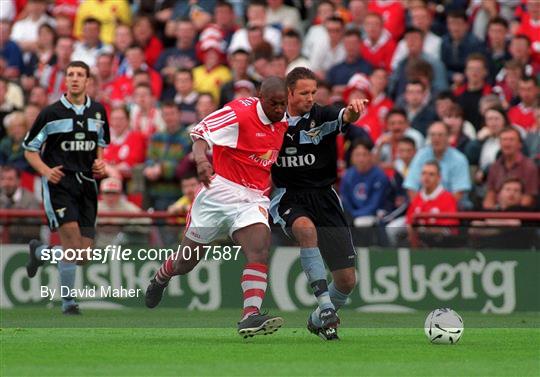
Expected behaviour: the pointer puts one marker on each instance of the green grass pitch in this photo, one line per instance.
(134, 342)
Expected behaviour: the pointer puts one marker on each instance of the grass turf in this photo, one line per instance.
(177, 342)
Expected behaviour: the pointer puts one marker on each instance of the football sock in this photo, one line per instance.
(338, 299)
(313, 266)
(253, 287)
(67, 272)
(166, 271)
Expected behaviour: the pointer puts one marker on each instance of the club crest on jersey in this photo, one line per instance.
(312, 124)
(61, 212)
(98, 116)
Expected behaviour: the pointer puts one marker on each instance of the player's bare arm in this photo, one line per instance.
(204, 167)
(53, 175)
(98, 167)
(354, 109)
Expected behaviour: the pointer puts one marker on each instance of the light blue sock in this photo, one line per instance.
(67, 272)
(338, 299)
(313, 266)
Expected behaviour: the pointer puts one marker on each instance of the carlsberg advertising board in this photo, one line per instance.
(388, 280)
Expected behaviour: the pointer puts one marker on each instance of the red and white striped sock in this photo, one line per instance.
(166, 271)
(253, 287)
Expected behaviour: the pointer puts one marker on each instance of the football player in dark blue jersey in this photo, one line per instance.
(65, 146)
(306, 205)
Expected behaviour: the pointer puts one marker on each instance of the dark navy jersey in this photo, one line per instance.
(308, 157)
(69, 136)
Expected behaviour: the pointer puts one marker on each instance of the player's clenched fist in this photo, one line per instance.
(205, 172)
(55, 174)
(354, 109)
(98, 167)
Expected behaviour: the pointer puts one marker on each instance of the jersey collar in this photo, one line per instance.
(69, 105)
(262, 116)
(293, 120)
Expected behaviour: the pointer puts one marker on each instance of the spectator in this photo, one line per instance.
(498, 43)
(522, 114)
(457, 45)
(165, 151)
(363, 186)
(113, 200)
(64, 26)
(414, 41)
(278, 67)
(186, 97)
(44, 51)
(189, 185)
(200, 12)
(239, 63)
(454, 168)
(340, 73)
(377, 46)
(484, 150)
(456, 123)
(317, 36)
(105, 79)
(520, 49)
(110, 13)
(482, 13)
(244, 89)
(31, 111)
(256, 18)
(144, 35)
(38, 96)
(321, 60)
(532, 140)
(212, 74)
(11, 151)
(205, 106)
(10, 51)
(90, 46)
(224, 18)
(124, 85)
(420, 110)
(8, 11)
(283, 16)
(512, 163)
(13, 196)
(368, 125)
(397, 126)
(323, 95)
(25, 31)
(145, 115)
(432, 198)
(529, 27)
(393, 14)
(421, 19)
(127, 147)
(260, 62)
(406, 150)
(380, 103)
(468, 94)
(358, 11)
(182, 55)
(507, 83)
(291, 42)
(53, 76)
(123, 39)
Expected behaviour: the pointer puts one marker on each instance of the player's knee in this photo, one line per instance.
(305, 232)
(345, 283)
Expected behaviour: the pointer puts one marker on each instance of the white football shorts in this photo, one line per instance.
(218, 211)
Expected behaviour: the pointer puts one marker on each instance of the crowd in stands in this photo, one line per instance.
(452, 124)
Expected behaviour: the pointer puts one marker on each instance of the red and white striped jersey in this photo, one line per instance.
(245, 142)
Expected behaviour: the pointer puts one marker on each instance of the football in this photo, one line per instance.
(443, 326)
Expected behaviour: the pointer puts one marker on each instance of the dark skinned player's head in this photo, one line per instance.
(273, 97)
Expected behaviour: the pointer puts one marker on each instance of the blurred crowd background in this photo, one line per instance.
(452, 123)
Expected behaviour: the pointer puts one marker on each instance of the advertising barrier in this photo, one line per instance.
(389, 280)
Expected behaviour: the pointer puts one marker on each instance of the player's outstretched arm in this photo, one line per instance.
(53, 175)
(354, 109)
(204, 167)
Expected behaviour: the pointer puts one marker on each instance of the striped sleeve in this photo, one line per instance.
(219, 128)
(37, 135)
